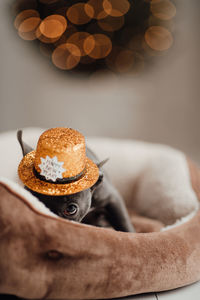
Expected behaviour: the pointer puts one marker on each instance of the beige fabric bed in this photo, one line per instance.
(44, 256)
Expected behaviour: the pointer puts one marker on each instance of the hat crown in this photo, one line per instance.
(65, 147)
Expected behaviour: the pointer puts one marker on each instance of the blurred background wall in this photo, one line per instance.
(161, 105)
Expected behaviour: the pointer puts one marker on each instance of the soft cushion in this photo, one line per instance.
(44, 256)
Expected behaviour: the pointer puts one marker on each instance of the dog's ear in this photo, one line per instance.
(25, 148)
(100, 179)
(103, 162)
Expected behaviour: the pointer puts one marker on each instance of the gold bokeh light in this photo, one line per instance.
(25, 14)
(93, 35)
(163, 9)
(116, 8)
(78, 39)
(120, 60)
(158, 38)
(76, 14)
(45, 39)
(28, 28)
(94, 9)
(97, 46)
(66, 56)
(53, 26)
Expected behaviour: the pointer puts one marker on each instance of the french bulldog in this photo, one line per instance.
(89, 205)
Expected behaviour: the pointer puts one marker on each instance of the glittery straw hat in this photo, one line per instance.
(59, 165)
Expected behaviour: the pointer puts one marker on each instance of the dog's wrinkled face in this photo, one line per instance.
(73, 207)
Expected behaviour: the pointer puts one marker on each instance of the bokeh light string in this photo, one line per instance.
(119, 35)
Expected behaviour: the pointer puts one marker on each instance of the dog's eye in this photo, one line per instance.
(71, 209)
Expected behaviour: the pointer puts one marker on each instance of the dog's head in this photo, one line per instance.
(73, 207)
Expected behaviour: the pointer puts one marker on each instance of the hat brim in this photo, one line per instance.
(26, 174)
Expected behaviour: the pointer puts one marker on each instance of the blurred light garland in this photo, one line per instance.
(93, 35)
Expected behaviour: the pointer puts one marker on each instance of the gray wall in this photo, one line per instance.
(161, 106)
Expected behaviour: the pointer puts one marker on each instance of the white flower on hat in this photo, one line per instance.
(51, 168)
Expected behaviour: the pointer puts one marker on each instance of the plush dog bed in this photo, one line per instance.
(44, 256)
